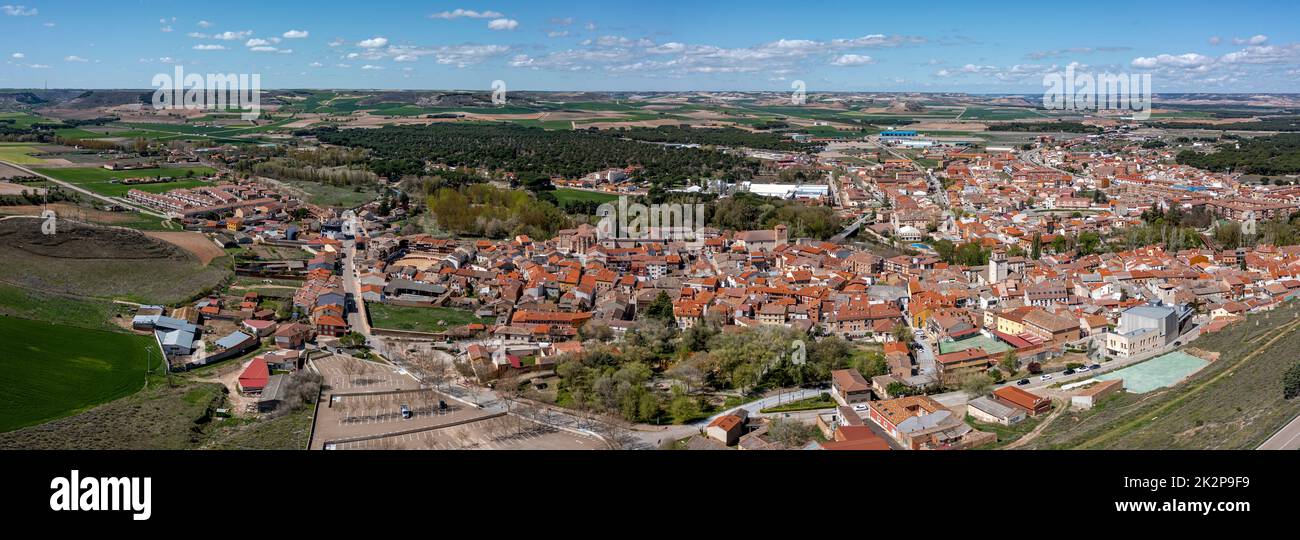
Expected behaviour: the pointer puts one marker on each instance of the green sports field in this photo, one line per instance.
(566, 195)
(49, 371)
(100, 180)
(418, 319)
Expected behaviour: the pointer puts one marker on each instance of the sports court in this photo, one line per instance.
(1159, 372)
(990, 345)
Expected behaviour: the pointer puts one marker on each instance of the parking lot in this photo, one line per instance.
(497, 433)
(345, 374)
(383, 408)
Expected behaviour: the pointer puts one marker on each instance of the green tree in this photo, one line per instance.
(1291, 382)
(661, 309)
(977, 385)
(1010, 362)
(683, 409)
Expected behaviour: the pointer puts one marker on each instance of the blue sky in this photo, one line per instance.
(934, 46)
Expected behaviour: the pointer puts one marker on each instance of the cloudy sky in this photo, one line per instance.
(1242, 46)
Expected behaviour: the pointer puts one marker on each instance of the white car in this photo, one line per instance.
(859, 407)
(1045, 378)
(1082, 369)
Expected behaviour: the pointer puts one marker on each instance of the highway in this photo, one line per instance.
(1287, 438)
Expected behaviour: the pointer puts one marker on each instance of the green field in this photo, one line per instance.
(100, 180)
(49, 371)
(20, 155)
(417, 319)
(333, 196)
(27, 304)
(566, 196)
(993, 113)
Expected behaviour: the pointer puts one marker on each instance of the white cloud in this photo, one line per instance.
(1189, 60)
(209, 47)
(453, 55)
(557, 33)
(373, 43)
(233, 36)
(467, 13)
(39, 66)
(198, 35)
(1253, 40)
(18, 55)
(853, 60)
(296, 34)
(204, 24)
(503, 24)
(256, 42)
(74, 58)
(263, 49)
(1215, 40)
(315, 64)
(369, 67)
(166, 29)
(619, 54)
(18, 10)
(562, 21)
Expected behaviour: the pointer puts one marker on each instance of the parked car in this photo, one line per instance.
(1083, 369)
(860, 407)
(1022, 382)
(1068, 372)
(1045, 377)
(406, 412)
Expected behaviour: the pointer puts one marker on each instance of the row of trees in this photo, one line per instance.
(335, 176)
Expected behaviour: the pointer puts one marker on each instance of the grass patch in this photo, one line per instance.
(100, 180)
(49, 371)
(333, 196)
(417, 319)
(20, 155)
(823, 401)
(566, 196)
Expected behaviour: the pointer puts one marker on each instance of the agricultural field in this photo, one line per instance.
(66, 311)
(20, 155)
(416, 319)
(998, 113)
(49, 371)
(100, 180)
(87, 261)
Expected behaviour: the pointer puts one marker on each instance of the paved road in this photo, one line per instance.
(1288, 438)
(352, 286)
(84, 191)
